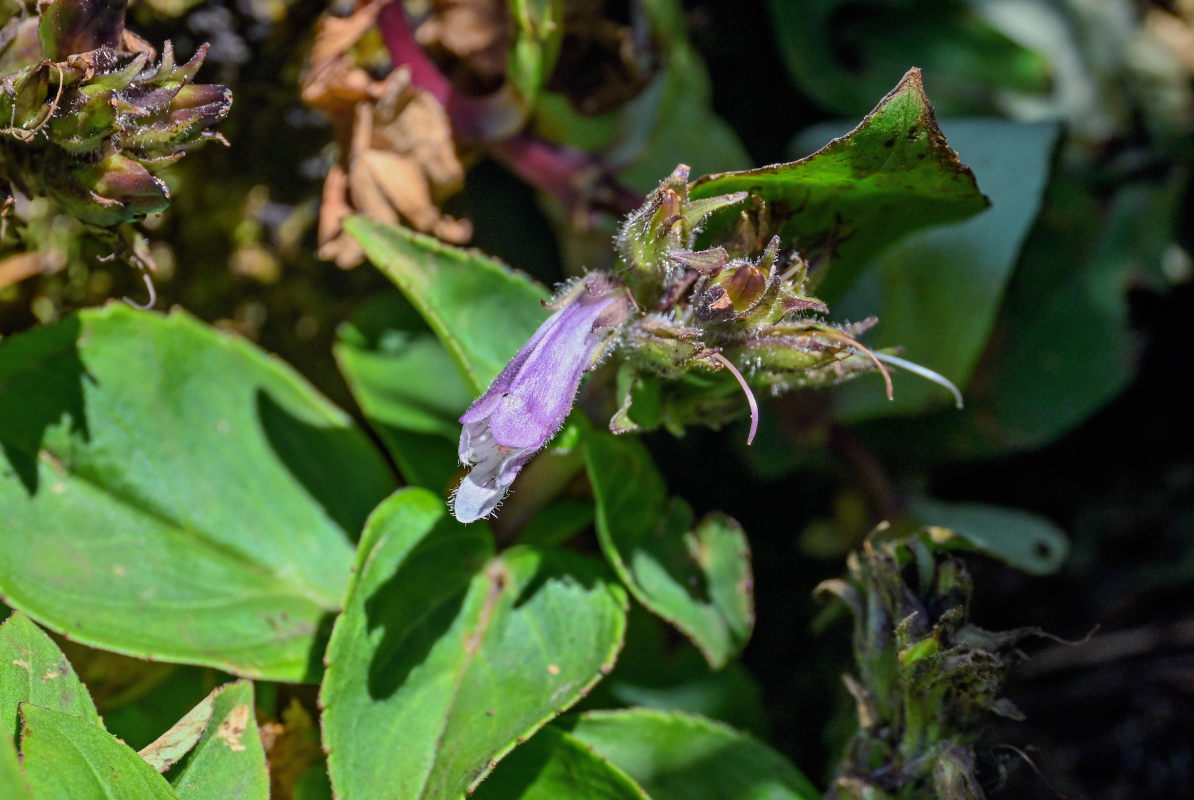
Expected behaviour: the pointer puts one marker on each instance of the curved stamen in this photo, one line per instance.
(857, 344)
(153, 295)
(924, 372)
(750, 396)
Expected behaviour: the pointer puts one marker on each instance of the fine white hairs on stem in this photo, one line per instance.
(850, 340)
(750, 396)
(924, 372)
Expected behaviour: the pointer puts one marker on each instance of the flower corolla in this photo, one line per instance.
(527, 402)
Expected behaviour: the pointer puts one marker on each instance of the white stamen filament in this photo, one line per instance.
(750, 396)
(924, 372)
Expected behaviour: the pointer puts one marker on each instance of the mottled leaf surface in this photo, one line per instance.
(891, 175)
(228, 760)
(34, 670)
(683, 757)
(447, 655)
(69, 757)
(173, 492)
(697, 577)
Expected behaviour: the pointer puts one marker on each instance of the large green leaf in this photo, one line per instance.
(843, 52)
(893, 174)
(34, 670)
(228, 760)
(937, 292)
(684, 757)
(69, 757)
(446, 655)
(480, 309)
(407, 386)
(697, 578)
(172, 492)
(554, 765)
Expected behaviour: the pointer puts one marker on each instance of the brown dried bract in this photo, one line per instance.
(469, 39)
(397, 159)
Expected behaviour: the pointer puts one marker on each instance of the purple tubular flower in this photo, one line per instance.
(527, 402)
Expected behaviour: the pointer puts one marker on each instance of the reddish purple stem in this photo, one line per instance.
(559, 171)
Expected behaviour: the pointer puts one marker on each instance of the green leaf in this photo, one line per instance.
(1064, 344)
(698, 579)
(554, 765)
(893, 174)
(34, 670)
(480, 309)
(228, 760)
(447, 655)
(407, 386)
(842, 53)
(66, 756)
(12, 778)
(937, 293)
(684, 757)
(173, 493)
(657, 671)
(1025, 541)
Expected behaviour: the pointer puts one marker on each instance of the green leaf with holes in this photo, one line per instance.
(1025, 541)
(447, 655)
(697, 577)
(172, 492)
(67, 756)
(891, 175)
(480, 309)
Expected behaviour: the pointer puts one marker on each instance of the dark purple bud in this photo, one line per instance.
(114, 190)
(78, 26)
(527, 402)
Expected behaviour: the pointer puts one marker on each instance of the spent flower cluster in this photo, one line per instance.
(92, 112)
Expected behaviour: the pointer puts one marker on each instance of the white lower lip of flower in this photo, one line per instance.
(494, 468)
